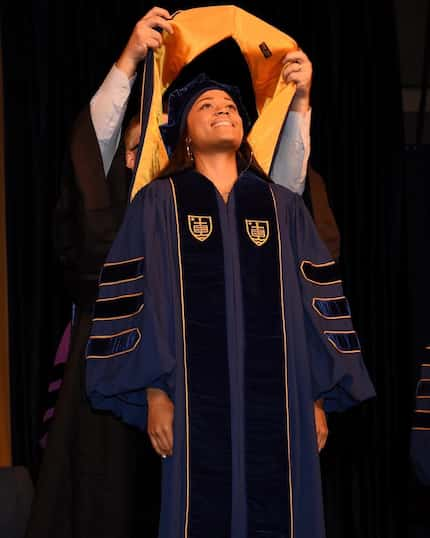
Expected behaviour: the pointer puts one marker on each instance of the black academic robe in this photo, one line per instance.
(316, 200)
(235, 310)
(94, 466)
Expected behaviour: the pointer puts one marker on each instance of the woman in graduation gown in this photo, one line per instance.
(99, 477)
(220, 326)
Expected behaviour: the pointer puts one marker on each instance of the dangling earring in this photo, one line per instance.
(189, 152)
(251, 156)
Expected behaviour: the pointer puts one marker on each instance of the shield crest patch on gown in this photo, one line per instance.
(200, 226)
(257, 230)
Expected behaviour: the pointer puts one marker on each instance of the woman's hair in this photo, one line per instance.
(182, 160)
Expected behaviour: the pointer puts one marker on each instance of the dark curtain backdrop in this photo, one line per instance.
(416, 165)
(54, 61)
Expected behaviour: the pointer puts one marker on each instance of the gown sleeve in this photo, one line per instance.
(339, 375)
(127, 350)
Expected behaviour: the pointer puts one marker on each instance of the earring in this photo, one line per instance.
(189, 152)
(251, 156)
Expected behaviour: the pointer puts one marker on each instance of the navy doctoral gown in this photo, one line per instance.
(236, 311)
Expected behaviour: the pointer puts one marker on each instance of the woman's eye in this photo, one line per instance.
(232, 107)
(205, 105)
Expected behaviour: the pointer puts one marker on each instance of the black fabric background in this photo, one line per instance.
(56, 55)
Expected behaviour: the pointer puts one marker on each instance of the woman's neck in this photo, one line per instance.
(220, 168)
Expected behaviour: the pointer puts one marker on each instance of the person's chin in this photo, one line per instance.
(227, 141)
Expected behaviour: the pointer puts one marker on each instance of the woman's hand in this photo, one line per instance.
(298, 68)
(320, 424)
(144, 37)
(160, 421)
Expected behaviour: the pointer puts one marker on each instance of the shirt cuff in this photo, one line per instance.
(119, 78)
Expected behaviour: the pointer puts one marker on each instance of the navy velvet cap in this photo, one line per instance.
(182, 99)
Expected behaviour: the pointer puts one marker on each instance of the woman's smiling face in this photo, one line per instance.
(214, 123)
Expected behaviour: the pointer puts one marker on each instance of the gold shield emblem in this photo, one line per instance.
(258, 231)
(200, 226)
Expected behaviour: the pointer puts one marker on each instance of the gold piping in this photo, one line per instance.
(335, 346)
(109, 264)
(326, 264)
(113, 282)
(328, 299)
(139, 334)
(106, 299)
(284, 335)
(187, 432)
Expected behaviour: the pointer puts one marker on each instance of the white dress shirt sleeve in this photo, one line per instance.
(291, 161)
(107, 109)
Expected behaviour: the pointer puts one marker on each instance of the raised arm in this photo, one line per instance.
(290, 165)
(109, 104)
